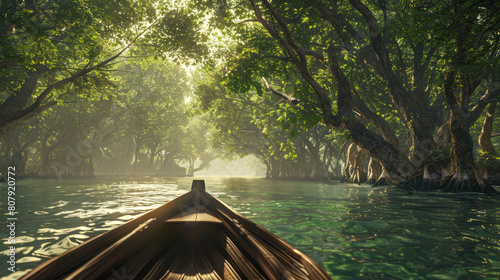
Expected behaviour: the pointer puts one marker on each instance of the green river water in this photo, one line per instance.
(354, 232)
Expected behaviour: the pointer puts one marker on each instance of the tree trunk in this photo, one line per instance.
(137, 152)
(396, 164)
(268, 169)
(359, 173)
(410, 104)
(374, 171)
(316, 163)
(466, 178)
(354, 170)
(205, 161)
(487, 130)
(17, 102)
(19, 160)
(44, 163)
(349, 161)
(152, 155)
(490, 164)
(190, 172)
(273, 171)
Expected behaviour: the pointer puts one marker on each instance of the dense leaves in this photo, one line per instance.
(376, 68)
(305, 86)
(50, 48)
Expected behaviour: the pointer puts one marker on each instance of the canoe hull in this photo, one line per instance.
(219, 244)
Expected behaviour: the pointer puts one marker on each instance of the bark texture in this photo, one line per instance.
(466, 178)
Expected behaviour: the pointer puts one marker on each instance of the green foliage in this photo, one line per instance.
(488, 160)
(246, 123)
(140, 127)
(56, 41)
(178, 35)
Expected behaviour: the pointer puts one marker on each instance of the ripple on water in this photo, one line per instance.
(113, 223)
(28, 260)
(354, 232)
(57, 204)
(22, 250)
(129, 217)
(64, 230)
(79, 236)
(24, 239)
(56, 248)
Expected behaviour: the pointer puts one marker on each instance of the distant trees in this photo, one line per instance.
(154, 94)
(137, 127)
(249, 123)
(58, 52)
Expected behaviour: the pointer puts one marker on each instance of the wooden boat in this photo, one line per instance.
(193, 237)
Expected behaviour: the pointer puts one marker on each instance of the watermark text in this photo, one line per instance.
(11, 219)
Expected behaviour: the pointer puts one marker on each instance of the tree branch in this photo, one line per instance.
(298, 58)
(488, 97)
(33, 108)
(292, 100)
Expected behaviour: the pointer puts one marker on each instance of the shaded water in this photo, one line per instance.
(354, 232)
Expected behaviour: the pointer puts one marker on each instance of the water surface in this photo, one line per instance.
(354, 232)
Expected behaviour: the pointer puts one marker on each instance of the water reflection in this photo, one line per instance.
(355, 232)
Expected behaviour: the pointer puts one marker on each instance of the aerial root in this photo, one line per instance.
(372, 181)
(383, 180)
(467, 184)
(423, 180)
